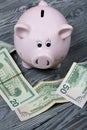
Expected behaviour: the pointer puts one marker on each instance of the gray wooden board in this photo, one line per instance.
(61, 116)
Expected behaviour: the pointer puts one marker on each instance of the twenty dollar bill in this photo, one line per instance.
(14, 88)
(8, 68)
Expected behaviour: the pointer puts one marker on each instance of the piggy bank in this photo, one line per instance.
(42, 37)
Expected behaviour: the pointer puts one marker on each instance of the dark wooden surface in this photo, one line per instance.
(61, 116)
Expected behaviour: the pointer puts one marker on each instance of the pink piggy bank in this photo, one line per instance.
(42, 37)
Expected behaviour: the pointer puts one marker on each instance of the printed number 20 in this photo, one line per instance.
(14, 103)
(64, 89)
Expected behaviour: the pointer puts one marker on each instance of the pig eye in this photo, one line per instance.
(48, 43)
(39, 44)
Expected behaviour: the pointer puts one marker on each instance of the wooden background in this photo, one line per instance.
(60, 117)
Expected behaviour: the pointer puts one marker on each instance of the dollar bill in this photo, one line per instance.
(17, 91)
(8, 68)
(9, 47)
(83, 63)
(14, 88)
(74, 85)
(47, 98)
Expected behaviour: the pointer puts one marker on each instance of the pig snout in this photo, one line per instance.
(43, 62)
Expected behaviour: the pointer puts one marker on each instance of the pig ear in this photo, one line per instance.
(21, 30)
(65, 31)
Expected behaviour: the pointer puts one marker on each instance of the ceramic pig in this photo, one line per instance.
(42, 37)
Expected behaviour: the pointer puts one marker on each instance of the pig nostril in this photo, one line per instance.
(47, 62)
(37, 61)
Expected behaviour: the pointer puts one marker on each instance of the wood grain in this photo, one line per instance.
(60, 117)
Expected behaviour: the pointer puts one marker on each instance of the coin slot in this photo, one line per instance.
(42, 13)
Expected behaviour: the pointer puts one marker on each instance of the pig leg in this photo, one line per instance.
(58, 66)
(26, 65)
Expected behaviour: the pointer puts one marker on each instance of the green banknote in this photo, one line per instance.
(17, 92)
(8, 68)
(9, 47)
(14, 88)
(74, 85)
(83, 64)
(47, 98)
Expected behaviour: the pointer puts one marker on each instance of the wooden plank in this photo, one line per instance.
(59, 117)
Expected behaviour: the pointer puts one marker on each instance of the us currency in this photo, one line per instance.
(8, 68)
(47, 98)
(74, 85)
(14, 88)
(83, 63)
(9, 47)
(17, 92)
